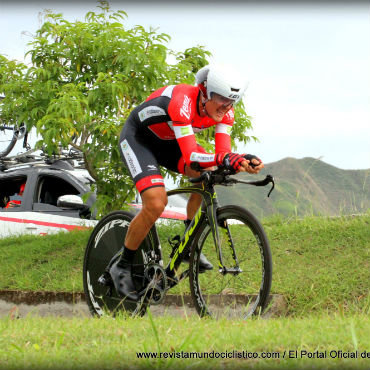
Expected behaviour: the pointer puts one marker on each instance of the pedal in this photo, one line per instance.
(105, 279)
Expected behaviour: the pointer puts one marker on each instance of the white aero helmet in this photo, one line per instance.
(224, 81)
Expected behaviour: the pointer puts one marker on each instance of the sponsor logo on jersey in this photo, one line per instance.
(124, 145)
(185, 130)
(131, 159)
(151, 167)
(157, 181)
(182, 131)
(200, 157)
(185, 109)
(151, 111)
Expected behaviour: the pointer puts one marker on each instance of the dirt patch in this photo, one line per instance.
(43, 303)
(39, 297)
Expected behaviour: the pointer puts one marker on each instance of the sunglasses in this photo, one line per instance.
(221, 100)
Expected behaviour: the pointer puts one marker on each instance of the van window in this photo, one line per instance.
(50, 188)
(11, 192)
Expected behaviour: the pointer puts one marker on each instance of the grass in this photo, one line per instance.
(320, 264)
(51, 262)
(106, 343)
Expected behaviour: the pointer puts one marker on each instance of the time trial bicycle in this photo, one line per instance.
(231, 237)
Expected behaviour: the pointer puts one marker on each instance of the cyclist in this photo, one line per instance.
(160, 131)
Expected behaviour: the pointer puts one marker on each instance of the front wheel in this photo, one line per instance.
(241, 287)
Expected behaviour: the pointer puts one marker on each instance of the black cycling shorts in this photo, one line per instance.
(143, 152)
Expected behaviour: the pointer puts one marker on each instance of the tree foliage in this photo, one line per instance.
(83, 82)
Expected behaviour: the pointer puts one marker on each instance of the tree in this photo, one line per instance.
(85, 79)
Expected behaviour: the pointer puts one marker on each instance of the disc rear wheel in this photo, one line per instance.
(106, 241)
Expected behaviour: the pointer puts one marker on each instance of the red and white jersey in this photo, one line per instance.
(171, 113)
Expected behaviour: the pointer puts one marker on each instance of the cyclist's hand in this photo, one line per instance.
(231, 161)
(253, 163)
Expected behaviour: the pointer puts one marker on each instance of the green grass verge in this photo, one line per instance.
(50, 262)
(106, 343)
(320, 264)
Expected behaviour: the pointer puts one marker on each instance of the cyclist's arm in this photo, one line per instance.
(182, 110)
(222, 138)
(223, 131)
(188, 145)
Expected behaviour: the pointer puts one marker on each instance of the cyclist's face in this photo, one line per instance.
(222, 100)
(218, 106)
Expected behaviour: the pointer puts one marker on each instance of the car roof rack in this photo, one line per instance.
(64, 160)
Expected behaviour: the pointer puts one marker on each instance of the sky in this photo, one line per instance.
(307, 64)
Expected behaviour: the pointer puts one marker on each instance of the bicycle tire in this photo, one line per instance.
(248, 291)
(105, 241)
(18, 133)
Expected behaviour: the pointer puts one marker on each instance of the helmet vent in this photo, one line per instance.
(236, 90)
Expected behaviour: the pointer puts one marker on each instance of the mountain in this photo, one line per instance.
(304, 186)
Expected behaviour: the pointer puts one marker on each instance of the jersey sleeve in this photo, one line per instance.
(223, 131)
(182, 110)
(189, 148)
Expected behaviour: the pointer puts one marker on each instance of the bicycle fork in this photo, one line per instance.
(207, 212)
(211, 204)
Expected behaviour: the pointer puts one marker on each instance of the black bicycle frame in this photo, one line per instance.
(204, 185)
(207, 212)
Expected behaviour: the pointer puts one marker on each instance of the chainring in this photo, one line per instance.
(156, 278)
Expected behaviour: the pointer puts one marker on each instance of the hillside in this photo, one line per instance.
(303, 187)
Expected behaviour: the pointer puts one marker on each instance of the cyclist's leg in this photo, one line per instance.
(154, 201)
(144, 170)
(176, 163)
(194, 202)
(168, 154)
(138, 155)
